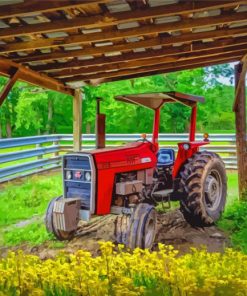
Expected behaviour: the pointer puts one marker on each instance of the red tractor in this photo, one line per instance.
(131, 180)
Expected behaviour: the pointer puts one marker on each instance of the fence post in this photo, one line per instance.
(55, 143)
(39, 146)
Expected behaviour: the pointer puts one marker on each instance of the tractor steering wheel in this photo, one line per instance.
(143, 140)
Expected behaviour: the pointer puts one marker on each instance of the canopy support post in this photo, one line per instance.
(192, 135)
(100, 126)
(7, 88)
(240, 122)
(77, 120)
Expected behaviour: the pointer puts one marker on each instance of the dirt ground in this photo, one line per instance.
(172, 229)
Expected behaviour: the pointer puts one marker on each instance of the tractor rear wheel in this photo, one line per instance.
(204, 183)
(137, 230)
(50, 227)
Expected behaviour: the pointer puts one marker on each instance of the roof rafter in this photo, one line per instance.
(120, 34)
(97, 61)
(153, 59)
(108, 19)
(155, 67)
(184, 38)
(37, 6)
(192, 65)
(132, 56)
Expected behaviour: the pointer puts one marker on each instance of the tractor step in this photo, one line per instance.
(162, 193)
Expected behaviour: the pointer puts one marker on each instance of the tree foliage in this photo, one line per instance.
(31, 110)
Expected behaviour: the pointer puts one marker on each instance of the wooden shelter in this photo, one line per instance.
(65, 44)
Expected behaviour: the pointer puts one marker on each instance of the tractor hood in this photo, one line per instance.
(125, 157)
(119, 148)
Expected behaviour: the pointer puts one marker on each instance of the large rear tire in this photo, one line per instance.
(137, 230)
(204, 183)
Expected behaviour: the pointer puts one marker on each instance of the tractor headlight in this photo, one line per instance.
(68, 175)
(88, 176)
(186, 146)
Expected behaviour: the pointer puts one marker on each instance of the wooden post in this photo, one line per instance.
(77, 120)
(240, 121)
(100, 127)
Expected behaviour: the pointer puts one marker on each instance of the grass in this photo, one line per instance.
(22, 202)
(232, 183)
(34, 233)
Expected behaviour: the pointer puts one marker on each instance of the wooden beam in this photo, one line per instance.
(77, 120)
(134, 56)
(164, 41)
(7, 88)
(241, 80)
(37, 6)
(153, 59)
(107, 19)
(121, 34)
(98, 61)
(113, 34)
(33, 77)
(167, 70)
(157, 67)
(241, 131)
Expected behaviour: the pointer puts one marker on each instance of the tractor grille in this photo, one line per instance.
(76, 172)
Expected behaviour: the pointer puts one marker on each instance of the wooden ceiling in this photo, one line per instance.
(69, 43)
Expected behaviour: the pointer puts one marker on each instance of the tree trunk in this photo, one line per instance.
(8, 121)
(49, 117)
(9, 129)
(88, 128)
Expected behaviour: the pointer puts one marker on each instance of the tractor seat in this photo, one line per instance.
(165, 157)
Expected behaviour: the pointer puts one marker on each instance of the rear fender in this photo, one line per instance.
(184, 154)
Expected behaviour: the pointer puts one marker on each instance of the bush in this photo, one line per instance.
(235, 223)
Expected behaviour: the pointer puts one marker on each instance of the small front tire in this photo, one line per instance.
(137, 230)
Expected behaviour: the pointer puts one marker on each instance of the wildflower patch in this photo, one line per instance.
(117, 272)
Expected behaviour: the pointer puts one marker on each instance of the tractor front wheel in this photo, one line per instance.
(137, 230)
(204, 183)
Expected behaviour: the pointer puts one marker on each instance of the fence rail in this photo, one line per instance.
(30, 155)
